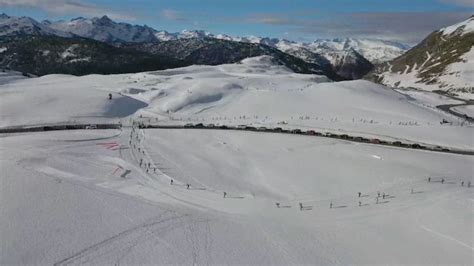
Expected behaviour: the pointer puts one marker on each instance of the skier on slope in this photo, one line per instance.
(225, 194)
(171, 182)
(187, 186)
(442, 180)
(360, 194)
(301, 206)
(429, 179)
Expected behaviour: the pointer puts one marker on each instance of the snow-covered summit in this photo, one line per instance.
(466, 26)
(10, 25)
(104, 29)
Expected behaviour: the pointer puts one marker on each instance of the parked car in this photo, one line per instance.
(250, 128)
(397, 143)
(278, 129)
(210, 126)
(223, 127)
(199, 125)
(375, 141)
(296, 131)
(241, 126)
(91, 127)
(311, 132)
(262, 129)
(344, 136)
(188, 125)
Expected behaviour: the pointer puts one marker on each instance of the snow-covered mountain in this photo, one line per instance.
(374, 50)
(443, 61)
(13, 26)
(348, 58)
(104, 29)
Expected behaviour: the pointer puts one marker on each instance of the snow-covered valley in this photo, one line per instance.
(106, 196)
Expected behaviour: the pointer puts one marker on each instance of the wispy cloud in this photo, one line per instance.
(466, 3)
(269, 19)
(175, 15)
(68, 7)
(409, 27)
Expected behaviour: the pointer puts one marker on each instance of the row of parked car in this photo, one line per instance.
(314, 133)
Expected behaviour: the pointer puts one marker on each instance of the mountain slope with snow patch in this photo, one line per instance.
(443, 62)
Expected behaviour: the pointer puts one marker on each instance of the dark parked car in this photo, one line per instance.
(415, 146)
(250, 128)
(397, 143)
(344, 136)
(311, 132)
(200, 125)
(278, 129)
(296, 131)
(188, 125)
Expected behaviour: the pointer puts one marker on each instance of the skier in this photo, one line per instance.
(383, 196)
(110, 96)
(330, 205)
(225, 194)
(154, 169)
(360, 194)
(141, 161)
(171, 182)
(462, 183)
(278, 205)
(378, 193)
(301, 206)
(360, 203)
(429, 179)
(469, 184)
(187, 186)
(442, 180)
(149, 165)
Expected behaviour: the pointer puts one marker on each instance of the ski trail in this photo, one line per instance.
(446, 237)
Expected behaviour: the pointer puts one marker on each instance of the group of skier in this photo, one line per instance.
(443, 180)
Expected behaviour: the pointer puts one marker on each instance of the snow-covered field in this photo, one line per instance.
(255, 92)
(86, 196)
(76, 197)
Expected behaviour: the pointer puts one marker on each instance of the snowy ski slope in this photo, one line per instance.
(105, 197)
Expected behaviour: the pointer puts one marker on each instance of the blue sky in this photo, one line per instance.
(301, 20)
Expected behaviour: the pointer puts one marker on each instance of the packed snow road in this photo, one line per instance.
(93, 202)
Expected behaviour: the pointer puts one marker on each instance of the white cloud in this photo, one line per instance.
(67, 7)
(171, 14)
(466, 3)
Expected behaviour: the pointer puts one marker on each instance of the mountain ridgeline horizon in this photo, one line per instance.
(83, 46)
